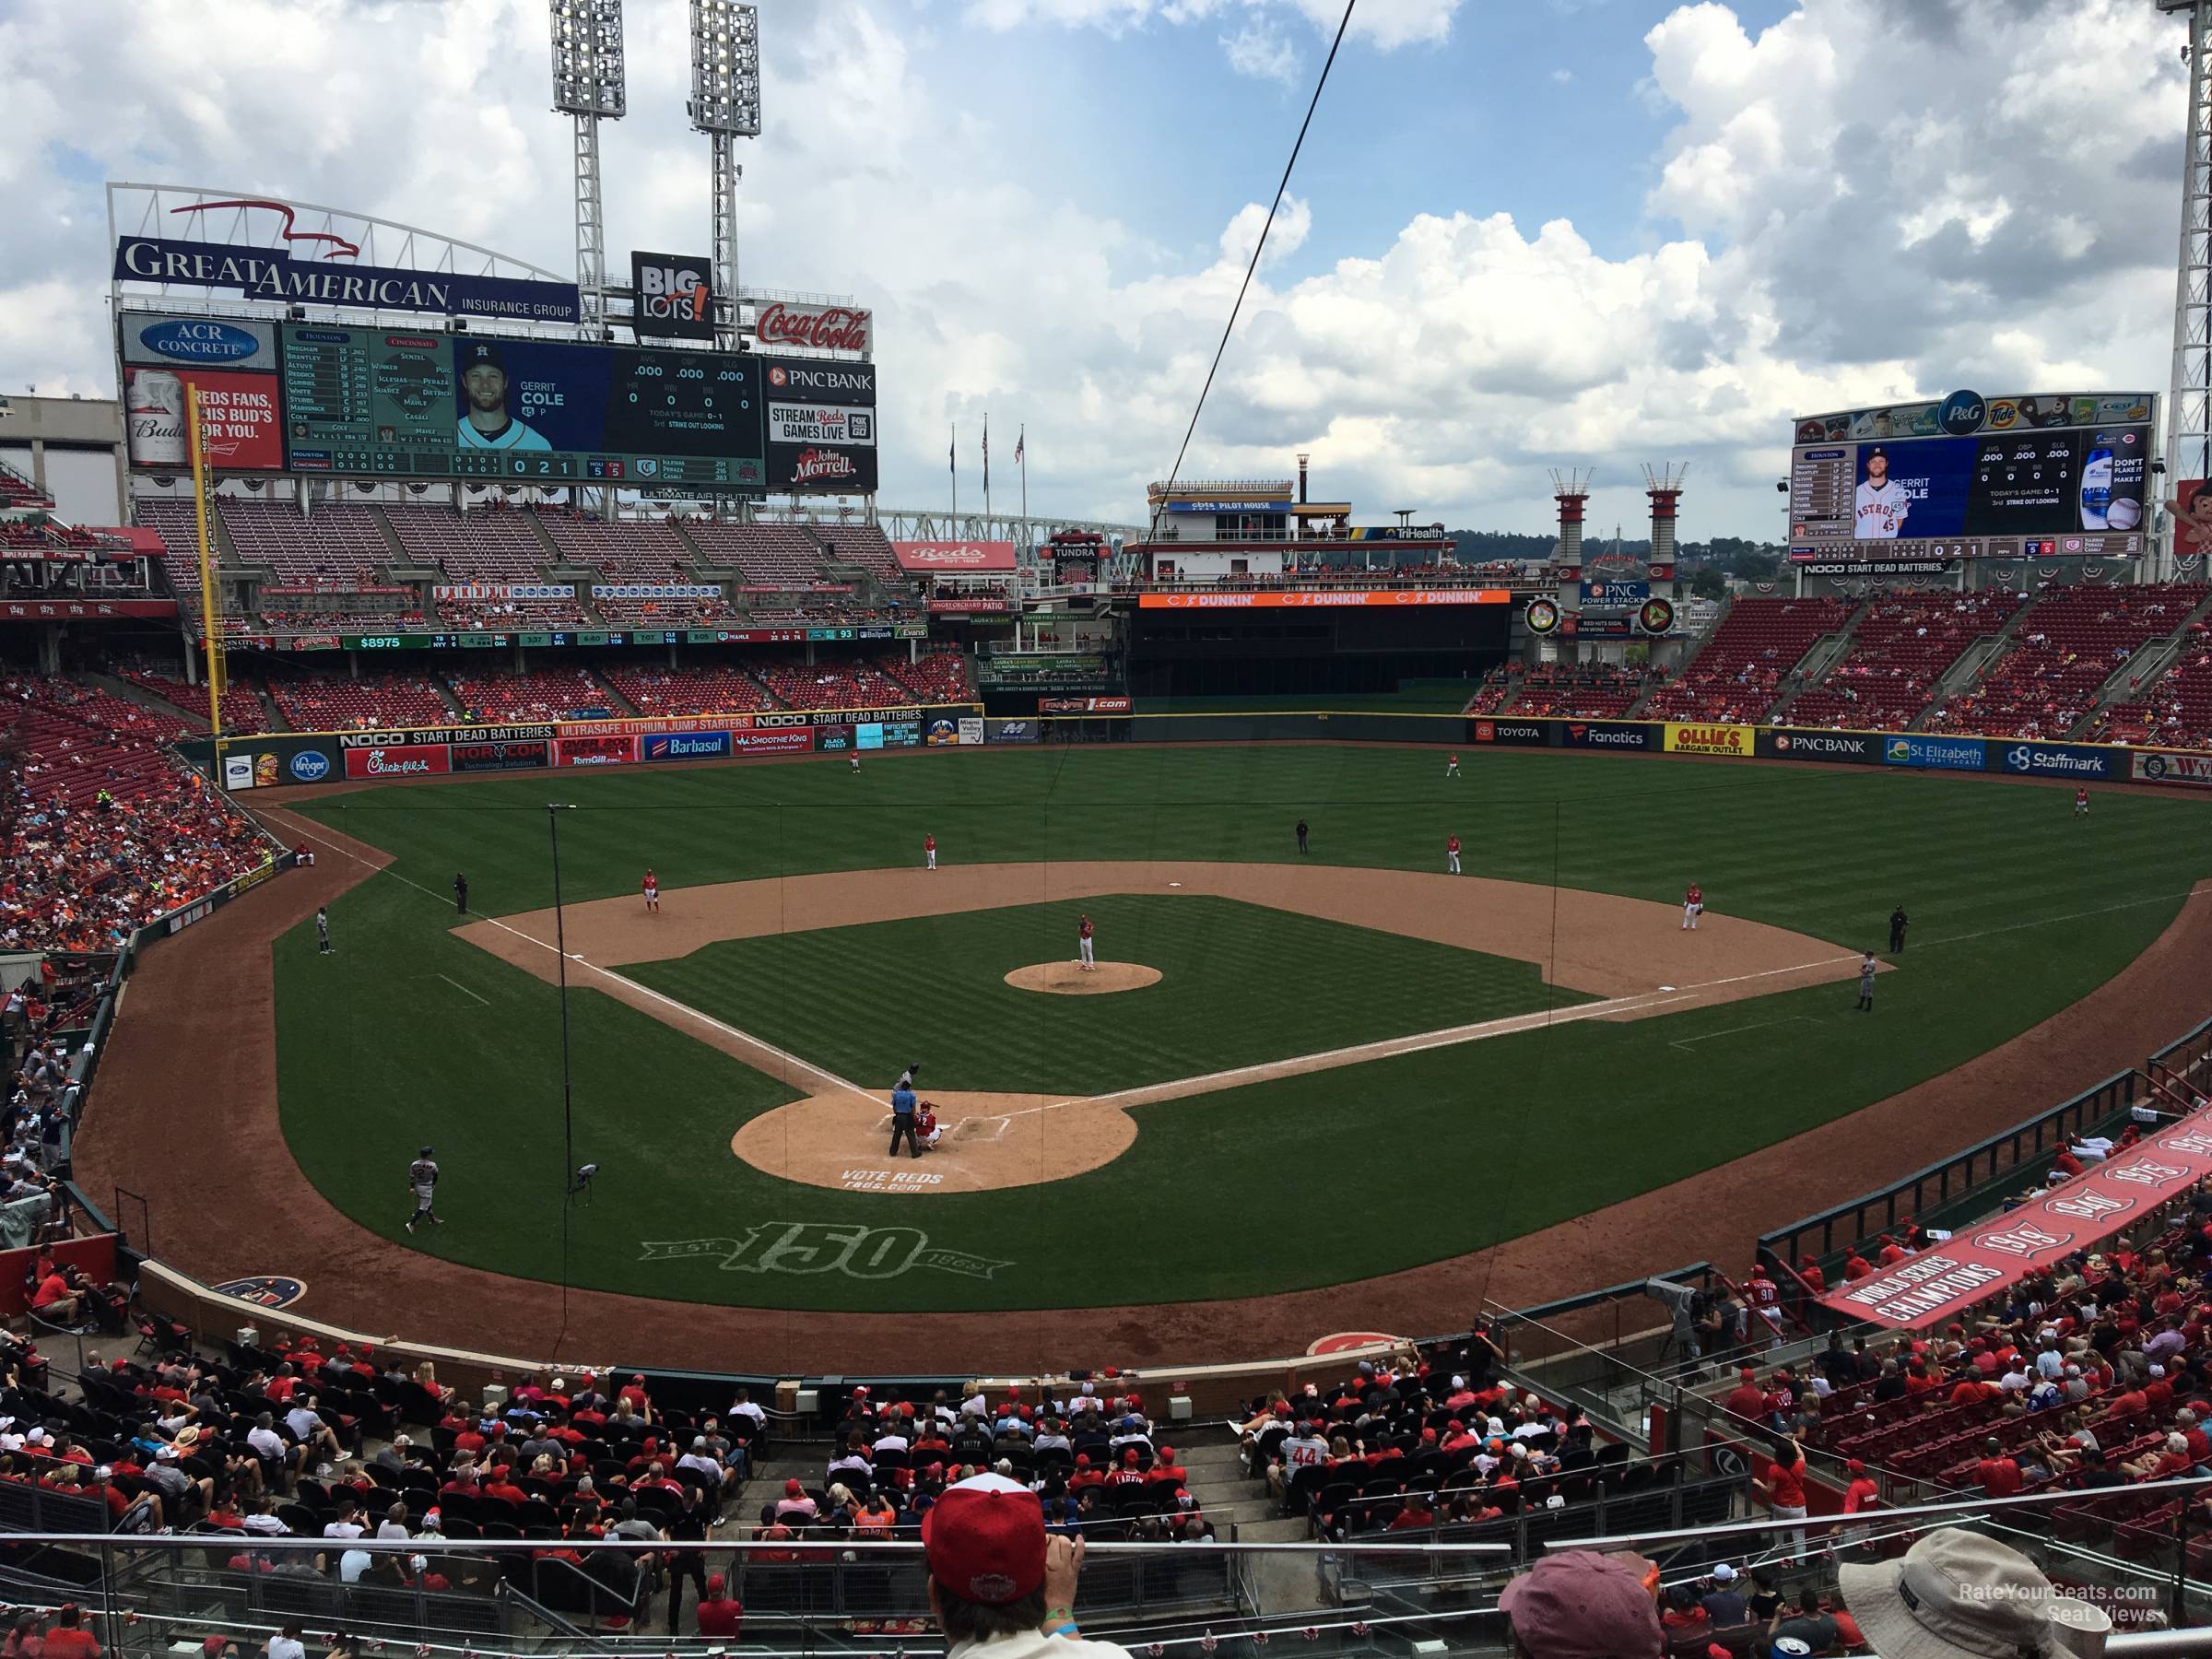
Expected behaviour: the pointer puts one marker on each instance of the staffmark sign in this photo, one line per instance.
(2056, 760)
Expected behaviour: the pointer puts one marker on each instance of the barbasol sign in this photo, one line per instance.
(2056, 760)
(687, 746)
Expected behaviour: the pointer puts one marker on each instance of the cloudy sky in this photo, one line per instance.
(1524, 233)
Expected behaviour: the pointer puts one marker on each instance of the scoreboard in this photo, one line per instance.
(2035, 477)
(401, 403)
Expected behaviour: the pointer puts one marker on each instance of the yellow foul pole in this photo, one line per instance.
(211, 617)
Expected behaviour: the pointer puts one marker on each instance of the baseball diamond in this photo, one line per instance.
(733, 1054)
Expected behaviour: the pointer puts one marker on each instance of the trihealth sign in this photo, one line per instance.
(1683, 738)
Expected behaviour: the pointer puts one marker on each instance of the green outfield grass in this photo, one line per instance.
(2019, 909)
(938, 986)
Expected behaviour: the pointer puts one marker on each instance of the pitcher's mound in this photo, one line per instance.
(1070, 979)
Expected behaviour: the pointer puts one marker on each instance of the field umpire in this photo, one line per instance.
(1897, 930)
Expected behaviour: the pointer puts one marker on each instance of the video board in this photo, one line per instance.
(2038, 476)
(394, 402)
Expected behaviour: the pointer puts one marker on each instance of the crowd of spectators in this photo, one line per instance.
(104, 831)
(2060, 655)
(1580, 690)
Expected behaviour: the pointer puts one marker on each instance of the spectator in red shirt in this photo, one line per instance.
(1746, 1399)
(1999, 1475)
(67, 1640)
(53, 1301)
(718, 1615)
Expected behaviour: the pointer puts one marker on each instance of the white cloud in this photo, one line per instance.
(1561, 77)
(1260, 50)
(1864, 200)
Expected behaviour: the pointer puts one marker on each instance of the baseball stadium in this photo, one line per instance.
(597, 1011)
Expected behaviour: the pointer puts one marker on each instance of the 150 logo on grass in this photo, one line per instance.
(869, 1252)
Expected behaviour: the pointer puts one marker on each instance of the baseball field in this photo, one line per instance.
(1341, 1064)
(1340, 1090)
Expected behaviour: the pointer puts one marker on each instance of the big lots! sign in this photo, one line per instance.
(421, 762)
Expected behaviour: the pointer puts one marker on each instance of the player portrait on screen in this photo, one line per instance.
(1881, 502)
(486, 425)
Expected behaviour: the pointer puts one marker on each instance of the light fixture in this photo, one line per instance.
(726, 68)
(587, 57)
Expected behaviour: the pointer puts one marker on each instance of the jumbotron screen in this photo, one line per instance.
(393, 402)
(2035, 477)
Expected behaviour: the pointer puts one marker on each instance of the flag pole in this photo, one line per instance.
(953, 458)
(986, 464)
(1021, 454)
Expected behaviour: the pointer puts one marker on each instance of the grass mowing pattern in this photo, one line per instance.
(2019, 909)
(1221, 960)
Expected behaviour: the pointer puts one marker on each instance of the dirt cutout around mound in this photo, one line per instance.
(1633, 955)
(1072, 978)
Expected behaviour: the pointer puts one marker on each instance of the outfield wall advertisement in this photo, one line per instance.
(285, 758)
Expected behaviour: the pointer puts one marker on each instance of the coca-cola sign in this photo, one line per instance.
(816, 327)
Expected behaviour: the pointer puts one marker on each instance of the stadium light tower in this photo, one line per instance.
(588, 83)
(2189, 390)
(726, 105)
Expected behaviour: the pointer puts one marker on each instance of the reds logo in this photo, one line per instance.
(336, 247)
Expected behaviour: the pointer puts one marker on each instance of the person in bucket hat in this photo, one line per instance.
(1955, 1595)
(997, 1580)
(1581, 1604)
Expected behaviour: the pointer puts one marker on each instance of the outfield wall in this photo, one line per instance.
(274, 760)
(1920, 751)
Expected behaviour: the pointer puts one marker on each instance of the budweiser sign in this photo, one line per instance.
(815, 465)
(818, 327)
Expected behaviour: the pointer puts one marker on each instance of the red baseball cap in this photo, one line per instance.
(984, 1540)
(1582, 1605)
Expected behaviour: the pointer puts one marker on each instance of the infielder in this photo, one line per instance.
(1693, 906)
(422, 1180)
(1452, 767)
(1882, 505)
(1452, 856)
(323, 945)
(1083, 933)
(929, 852)
(652, 893)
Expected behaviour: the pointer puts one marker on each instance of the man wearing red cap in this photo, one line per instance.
(1746, 1399)
(718, 1615)
(996, 1582)
(1582, 1605)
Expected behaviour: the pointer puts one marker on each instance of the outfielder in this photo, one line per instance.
(852, 763)
(2081, 802)
(422, 1180)
(1693, 906)
(323, 945)
(1452, 767)
(1083, 932)
(652, 893)
(1452, 856)
(929, 852)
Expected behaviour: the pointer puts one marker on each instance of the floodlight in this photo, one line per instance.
(725, 67)
(587, 57)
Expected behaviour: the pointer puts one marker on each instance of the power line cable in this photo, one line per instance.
(1258, 247)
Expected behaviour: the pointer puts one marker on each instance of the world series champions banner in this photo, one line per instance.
(2073, 1216)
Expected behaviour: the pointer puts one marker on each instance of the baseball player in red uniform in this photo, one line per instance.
(929, 850)
(1452, 856)
(926, 1126)
(1083, 933)
(2081, 802)
(1693, 906)
(1452, 767)
(652, 893)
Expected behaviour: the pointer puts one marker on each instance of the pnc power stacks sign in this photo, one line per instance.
(1684, 738)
